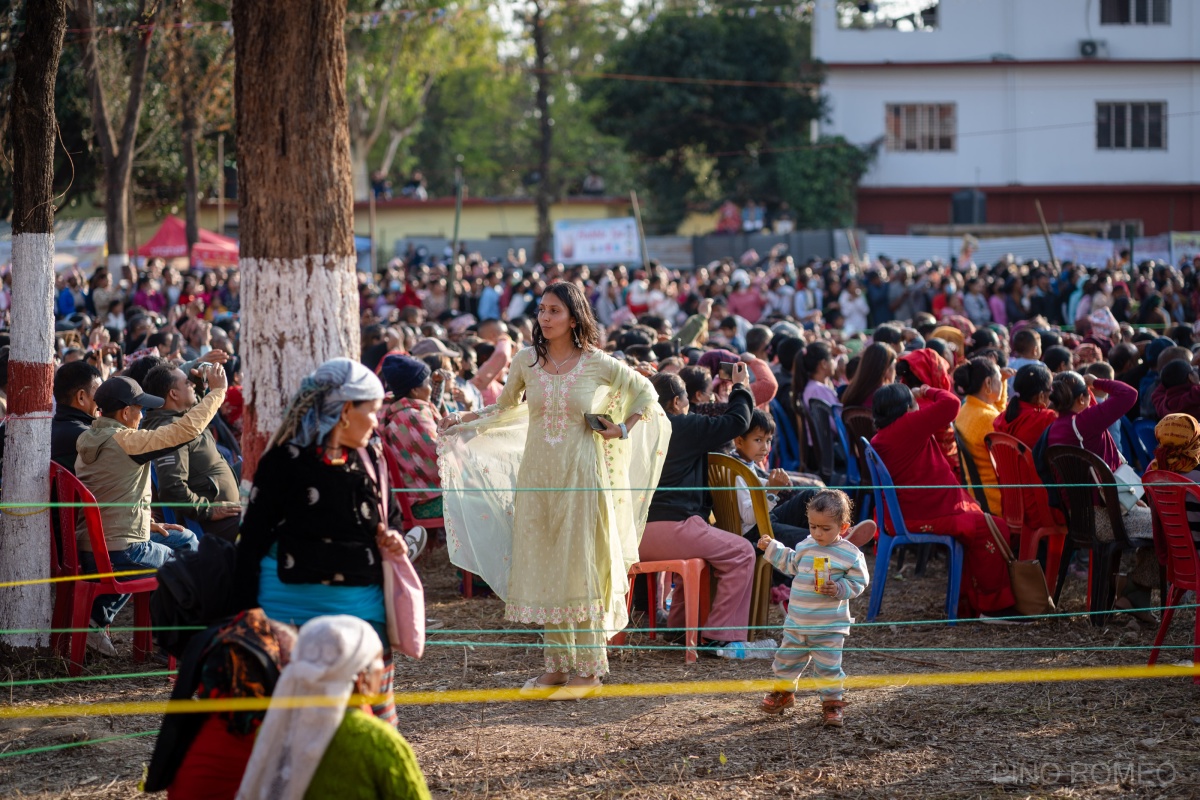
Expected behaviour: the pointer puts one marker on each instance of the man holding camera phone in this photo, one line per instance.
(194, 474)
(114, 464)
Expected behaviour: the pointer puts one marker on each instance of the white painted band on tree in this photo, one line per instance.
(320, 290)
(26, 480)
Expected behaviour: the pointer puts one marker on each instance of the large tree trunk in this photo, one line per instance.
(24, 551)
(296, 216)
(541, 51)
(117, 153)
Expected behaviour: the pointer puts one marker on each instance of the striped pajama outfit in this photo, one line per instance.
(817, 624)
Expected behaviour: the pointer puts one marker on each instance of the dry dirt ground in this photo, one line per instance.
(1132, 738)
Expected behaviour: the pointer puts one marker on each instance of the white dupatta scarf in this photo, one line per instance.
(329, 653)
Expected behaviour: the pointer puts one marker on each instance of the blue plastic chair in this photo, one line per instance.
(1132, 446)
(1145, 436)
(168, 513)
(852, 476)
(887, 506)
(785, 454)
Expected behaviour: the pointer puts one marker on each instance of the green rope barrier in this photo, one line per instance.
(464, 490)
(664, 629)
(717, 646)
(55, 747)
(670, 647)
(113, 677)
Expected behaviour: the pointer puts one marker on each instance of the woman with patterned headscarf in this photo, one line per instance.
(1178, 451)
(313, 534)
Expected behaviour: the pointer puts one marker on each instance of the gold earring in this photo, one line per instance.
(345, 423)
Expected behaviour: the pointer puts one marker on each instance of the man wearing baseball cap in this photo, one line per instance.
(114, 463)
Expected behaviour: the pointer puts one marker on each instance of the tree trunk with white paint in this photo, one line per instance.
(296, 215)
(25, 531)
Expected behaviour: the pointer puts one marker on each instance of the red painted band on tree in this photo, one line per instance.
(29, 387)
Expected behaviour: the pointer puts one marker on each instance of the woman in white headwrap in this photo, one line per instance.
(313, 532)
(311, 744)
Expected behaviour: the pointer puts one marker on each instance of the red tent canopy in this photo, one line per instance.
(170, 241)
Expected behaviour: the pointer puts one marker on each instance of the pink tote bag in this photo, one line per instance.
(403, 595)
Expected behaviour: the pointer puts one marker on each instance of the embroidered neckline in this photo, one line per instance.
(556, 389)
(542, 367)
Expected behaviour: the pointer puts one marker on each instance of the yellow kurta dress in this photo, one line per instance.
(543, 509)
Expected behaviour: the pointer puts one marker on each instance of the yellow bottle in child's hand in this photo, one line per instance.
(821, 569)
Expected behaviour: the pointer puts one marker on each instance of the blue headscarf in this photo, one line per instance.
(403, 374)
(323, 394)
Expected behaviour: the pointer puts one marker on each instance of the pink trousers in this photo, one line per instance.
(730, 557)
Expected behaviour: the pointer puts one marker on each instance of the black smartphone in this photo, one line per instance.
(593, 421)
(726, 370)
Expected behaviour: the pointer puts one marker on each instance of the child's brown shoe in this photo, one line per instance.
(831, 713)
(777, 702)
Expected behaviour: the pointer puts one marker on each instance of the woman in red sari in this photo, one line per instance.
(908, 423)
(926, 368)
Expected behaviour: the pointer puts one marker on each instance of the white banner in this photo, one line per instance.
(1184, 245)
(1085, 250)
(597, 241)
(1151, 248)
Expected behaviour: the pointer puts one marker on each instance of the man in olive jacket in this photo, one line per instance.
(114, 464)
(195, 473)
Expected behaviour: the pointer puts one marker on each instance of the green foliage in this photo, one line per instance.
(76, 170)
(820, 182)
(694, 123)
(485, 110)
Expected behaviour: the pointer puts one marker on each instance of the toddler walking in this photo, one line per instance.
(818, 618)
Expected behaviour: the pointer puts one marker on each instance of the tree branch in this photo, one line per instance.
(137, 80)
(385, 98)
(85, 12)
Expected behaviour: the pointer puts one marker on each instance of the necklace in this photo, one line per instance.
(559, 365)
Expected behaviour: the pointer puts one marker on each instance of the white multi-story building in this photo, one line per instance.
(1090, 106)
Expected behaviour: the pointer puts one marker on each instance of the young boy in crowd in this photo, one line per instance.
(789, 509)
(828, 571)
(1026, 349)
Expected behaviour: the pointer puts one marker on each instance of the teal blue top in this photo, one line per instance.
(297, 603)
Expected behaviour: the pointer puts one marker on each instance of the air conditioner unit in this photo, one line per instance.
(1093, 48)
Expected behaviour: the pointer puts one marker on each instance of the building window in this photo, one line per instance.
(1135, 12)
(921, 127)
(1131, 126)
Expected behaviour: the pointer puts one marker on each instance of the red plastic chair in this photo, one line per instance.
(410, 520)
(1168, 495)
(73, 607)
(1013, 462)
(695, 576)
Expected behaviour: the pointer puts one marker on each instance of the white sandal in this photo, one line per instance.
(541, 691)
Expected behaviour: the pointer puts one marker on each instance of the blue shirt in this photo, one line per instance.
(489, 303)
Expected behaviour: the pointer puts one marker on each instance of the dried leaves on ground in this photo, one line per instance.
(1098, 739)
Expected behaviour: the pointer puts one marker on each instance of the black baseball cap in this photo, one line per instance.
(119, 392)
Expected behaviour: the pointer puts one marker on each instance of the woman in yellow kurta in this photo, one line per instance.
(547, 511)
(986, 388)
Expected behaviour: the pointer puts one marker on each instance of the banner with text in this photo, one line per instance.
(597, 241)
(1184, 245)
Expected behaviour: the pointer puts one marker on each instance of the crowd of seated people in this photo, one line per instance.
(1066, 355)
